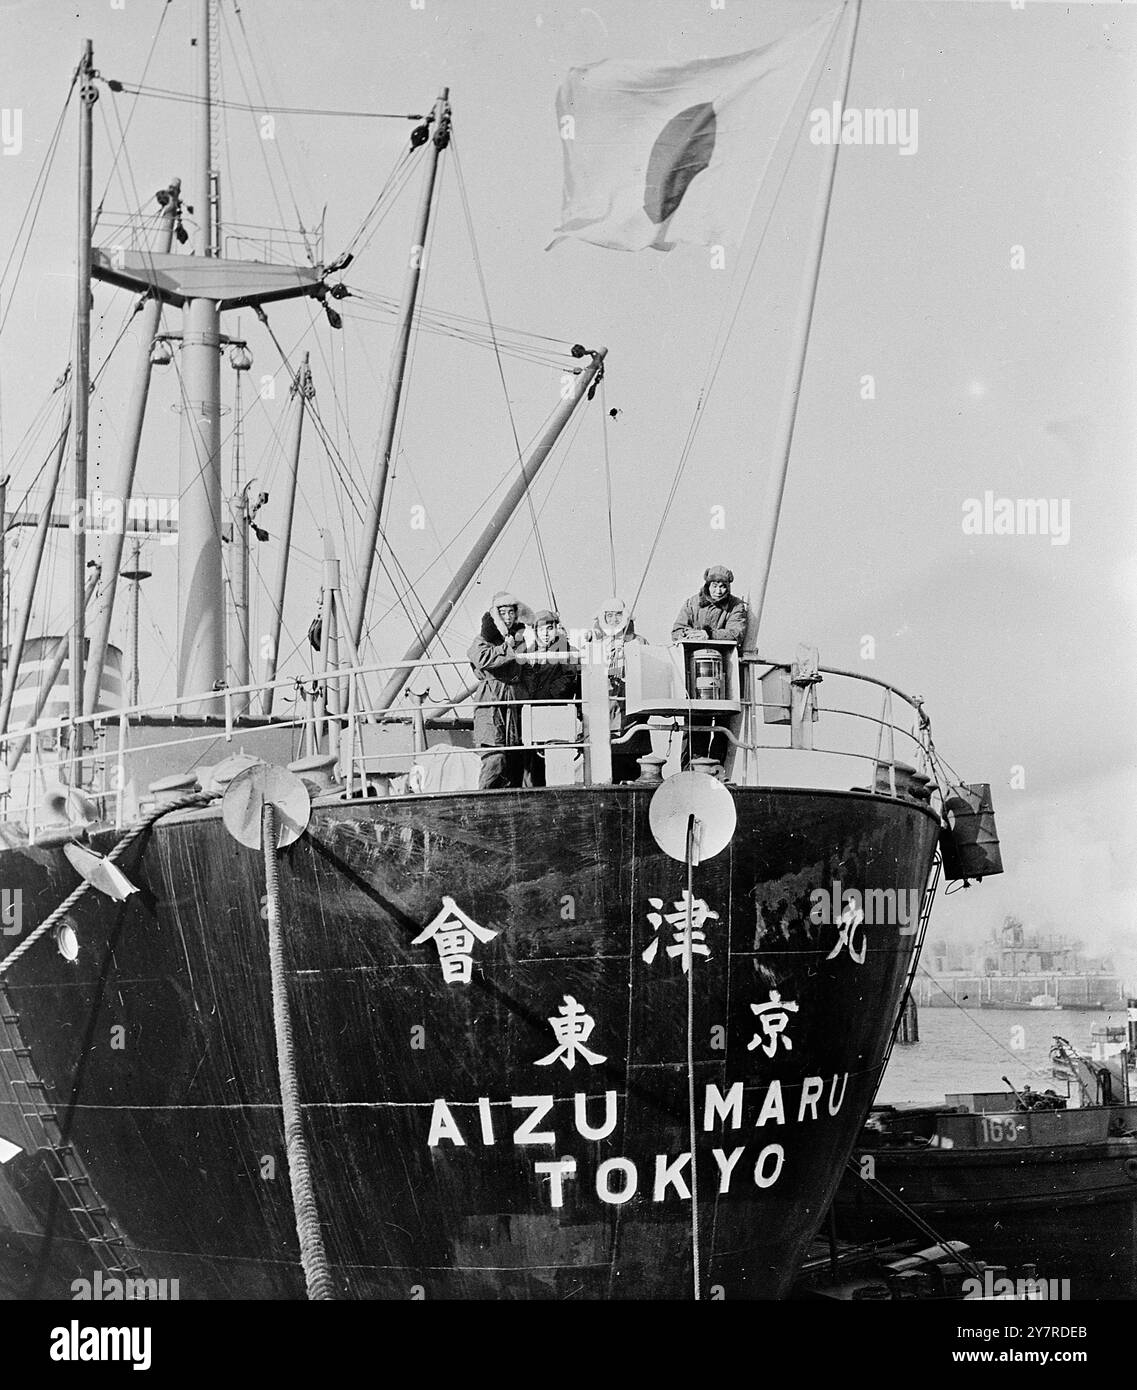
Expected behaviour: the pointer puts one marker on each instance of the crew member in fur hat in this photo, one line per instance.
(497, 719)
(714, 611)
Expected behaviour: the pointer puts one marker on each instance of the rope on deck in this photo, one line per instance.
(313, 1257)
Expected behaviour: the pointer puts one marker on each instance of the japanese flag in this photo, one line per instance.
(662, 153)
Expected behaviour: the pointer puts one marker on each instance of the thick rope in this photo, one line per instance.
(317, 1275)
(144, 823)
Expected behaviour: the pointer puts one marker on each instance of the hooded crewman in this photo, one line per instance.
(497, 719)
(613, 630)
(714, 611)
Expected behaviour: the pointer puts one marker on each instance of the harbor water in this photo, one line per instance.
(972, 1049)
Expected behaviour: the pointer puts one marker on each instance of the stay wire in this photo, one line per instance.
(967, 1013)
(394, 184)
(501, 373)
(39, 188)
(261, 92)
(165, 94)
(344, 475)
(608, 486)
(134, 107)
(721, 340)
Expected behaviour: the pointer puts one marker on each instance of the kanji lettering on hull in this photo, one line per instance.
(851, 921)
(572, 1030)
(688, 941)
(454, 933)
(773, 1019)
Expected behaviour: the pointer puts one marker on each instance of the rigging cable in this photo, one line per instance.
(349, 482)
(1015, 1057)
(163, 94)
(720, 341)
(130, 117)
(608, 487)
(36, 197)
(268, 167)
(501, 373)
(397, 180)
(215, 9)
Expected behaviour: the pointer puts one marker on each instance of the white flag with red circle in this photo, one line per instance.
(662, 153)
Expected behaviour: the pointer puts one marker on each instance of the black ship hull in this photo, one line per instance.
(455, 1152)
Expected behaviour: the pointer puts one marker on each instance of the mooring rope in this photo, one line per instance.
(313, 1257)
(143, 823)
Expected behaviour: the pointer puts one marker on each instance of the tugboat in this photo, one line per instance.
(288, 1006)
(1022, 1175)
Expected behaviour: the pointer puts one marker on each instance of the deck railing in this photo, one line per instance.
(337, 715)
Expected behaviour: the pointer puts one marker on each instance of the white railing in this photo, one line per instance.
(338, 712)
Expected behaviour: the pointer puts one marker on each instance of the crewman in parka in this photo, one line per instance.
(497, 719)
(714, 611)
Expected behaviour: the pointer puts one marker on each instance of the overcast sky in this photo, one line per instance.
(987, 377)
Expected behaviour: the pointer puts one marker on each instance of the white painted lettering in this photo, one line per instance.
(669, 1173)
(526, 1132)
(604, 1187)
(443, 1125)
(557, 1171)
(772, 1106)
(720, 1106)
(580, 1109)
(763, 1176)
(811, 1091)
(726, 1166)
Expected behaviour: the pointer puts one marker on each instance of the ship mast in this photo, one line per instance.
(88, 95)
(203, 285)
(43, 525)
(201, 600)
(169, 200)
(370, 541)
(300, 392)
